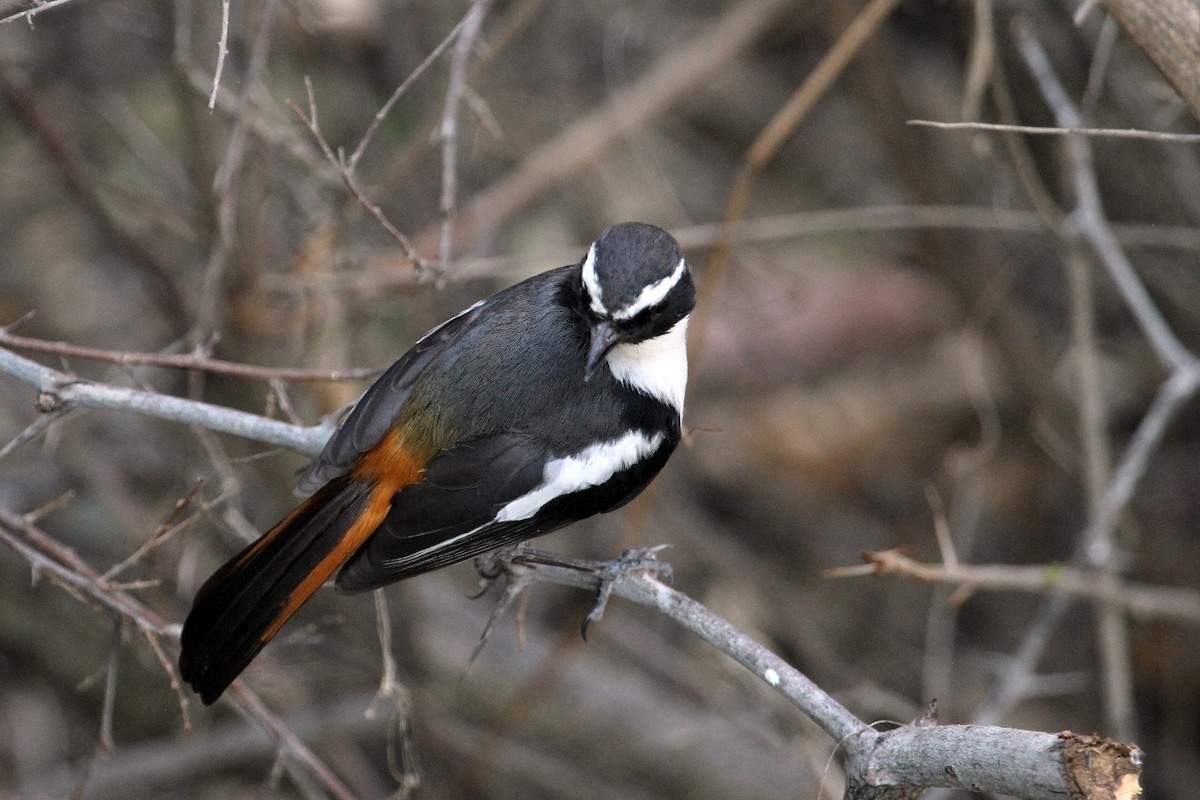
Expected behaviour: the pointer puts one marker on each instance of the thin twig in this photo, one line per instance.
(1038, 130)
(670, 79)
(227, 183)
(222, 51)
(764, 229)
(386, 108)
(188, 361)
(1089, 212)
(347, 175)
(32, 431)
(1142, 601)
(1096, 544)
(291, 744)
(448, 130)
(30, 13)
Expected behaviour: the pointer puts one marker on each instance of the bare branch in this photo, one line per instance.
(1036, 130)
(37, 8)
(386, 108)
(1093, 226)
(448, 130)
(59, 391)
(348, 179)
(1140, 600)
(222, 51)
(189, 361)
(1038, 766)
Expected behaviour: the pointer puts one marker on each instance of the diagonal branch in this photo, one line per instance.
(890, 764)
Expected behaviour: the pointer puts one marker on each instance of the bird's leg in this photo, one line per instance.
(517, 582)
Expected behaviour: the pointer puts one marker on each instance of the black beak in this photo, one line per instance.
(604, 336)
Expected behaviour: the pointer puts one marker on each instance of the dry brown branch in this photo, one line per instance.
(1141, 601)
(771, 138)
(347, 175)
(1099, 133)
(188, 361)
(448, 130)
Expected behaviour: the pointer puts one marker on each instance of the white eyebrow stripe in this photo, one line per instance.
(653, 294)
(592, 283)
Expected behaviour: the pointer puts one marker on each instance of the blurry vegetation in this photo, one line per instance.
(860, 380)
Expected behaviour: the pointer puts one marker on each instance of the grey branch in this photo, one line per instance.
(59, 392)
(889, 764)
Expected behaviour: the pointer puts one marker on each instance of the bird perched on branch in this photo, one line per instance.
(553, 400)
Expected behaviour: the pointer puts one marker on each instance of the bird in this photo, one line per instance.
(555, 399)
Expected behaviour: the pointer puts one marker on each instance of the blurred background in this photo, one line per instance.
(900, 340)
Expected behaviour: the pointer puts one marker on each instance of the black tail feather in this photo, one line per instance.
(237, 608)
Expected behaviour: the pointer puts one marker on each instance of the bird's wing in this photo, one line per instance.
(376, 411)
(452, 513)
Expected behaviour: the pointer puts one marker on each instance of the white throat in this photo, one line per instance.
(656, 367)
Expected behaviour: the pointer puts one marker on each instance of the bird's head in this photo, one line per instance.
(636, 285)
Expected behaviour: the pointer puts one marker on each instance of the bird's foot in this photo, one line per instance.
(633, 560)
(521, 565)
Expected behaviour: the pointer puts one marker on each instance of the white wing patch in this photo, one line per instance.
(653, 294)
(591, 466)
(656, 367)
